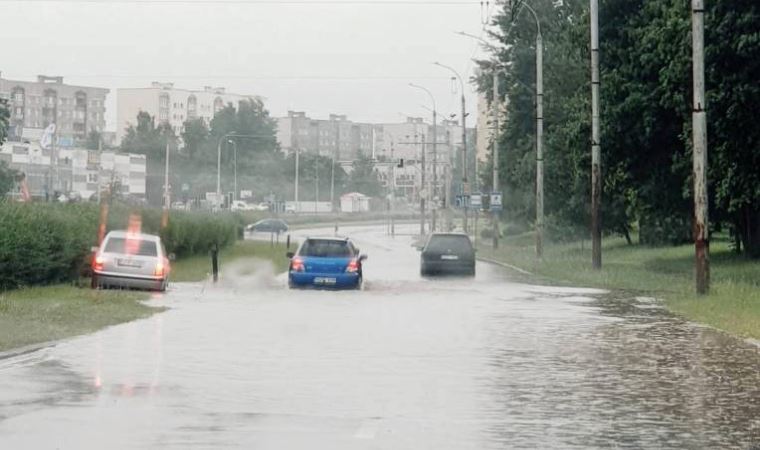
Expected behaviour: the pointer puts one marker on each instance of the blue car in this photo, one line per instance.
(326, 263)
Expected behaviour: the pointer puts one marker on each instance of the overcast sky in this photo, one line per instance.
(310, 55)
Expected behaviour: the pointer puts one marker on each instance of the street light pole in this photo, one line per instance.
(167, 204)
(219, 171)
(465, 189)
(596, 172)
(495, 153)
(234, 146)
(539, 135)
(699, 130)
(435, 150)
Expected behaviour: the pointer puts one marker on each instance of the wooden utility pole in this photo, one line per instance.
(699, 130)
(596, 171)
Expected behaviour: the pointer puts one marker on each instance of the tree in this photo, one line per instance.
(364, 179)
(146, 138)
(195, 136)
(93, 140)
(4, 116)
(7, 179)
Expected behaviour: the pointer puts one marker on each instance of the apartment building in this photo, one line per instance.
(171, 105)
(75, 110)
(333, 137)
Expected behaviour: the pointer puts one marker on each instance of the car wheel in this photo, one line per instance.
(359, 284)
(94, 281)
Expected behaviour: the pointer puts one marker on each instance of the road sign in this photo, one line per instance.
(476, 200)
(496, 201)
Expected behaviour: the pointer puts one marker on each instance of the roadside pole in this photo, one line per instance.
(495, 154)
(422, 189)
(539, 146)
(296, 182)
(699, 129)
(596, 172)
(167, 200)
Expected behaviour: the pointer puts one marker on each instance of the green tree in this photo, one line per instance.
(364, 179)
(147, 138)
(93, 140)
(195, 136)
(4, 116)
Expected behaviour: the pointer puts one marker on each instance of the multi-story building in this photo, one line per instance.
(171, 105)
(75, 110)
(335, 137)
(77, 171)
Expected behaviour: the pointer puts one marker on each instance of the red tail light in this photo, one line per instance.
(353, 266)
(97, 263)
(296, 265)
(161, 269)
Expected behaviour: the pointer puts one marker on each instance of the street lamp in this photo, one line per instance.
(539, 135)
(464, 135)
(226, 137)
(435, 148)
(234, 146)
(495, 137)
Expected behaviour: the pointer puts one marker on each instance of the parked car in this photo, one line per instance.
(263, 206)
(326, 262)
(268, 226)
(447, 253)
(131, 260)
(239, 205)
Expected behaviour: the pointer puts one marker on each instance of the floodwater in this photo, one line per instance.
(407, 363)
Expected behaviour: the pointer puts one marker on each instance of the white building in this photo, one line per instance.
(78, 171)
(354, 202)
(171, 105)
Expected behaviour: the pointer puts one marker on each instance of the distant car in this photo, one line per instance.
(447, 253)
(290, 209)
(179, 205)
(263, 206)
(269, 226)
(131, 260)
(326, 262)
(239, 205)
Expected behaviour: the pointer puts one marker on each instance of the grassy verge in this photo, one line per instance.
(41, 314)
(197, 268)
(666, 272)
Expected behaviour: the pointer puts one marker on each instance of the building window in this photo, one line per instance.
(92, 177)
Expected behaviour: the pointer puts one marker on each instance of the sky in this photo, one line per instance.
(354, 57)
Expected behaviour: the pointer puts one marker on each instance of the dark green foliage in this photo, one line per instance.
(7, 179)
(364, 179)
(645, 49)
(4, 116)
(49, 243)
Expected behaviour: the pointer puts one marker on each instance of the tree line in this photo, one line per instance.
(646, 91)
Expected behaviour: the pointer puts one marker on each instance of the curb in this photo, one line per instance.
(505, 265)
(28, 349)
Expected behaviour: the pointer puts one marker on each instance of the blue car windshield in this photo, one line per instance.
(326, 248)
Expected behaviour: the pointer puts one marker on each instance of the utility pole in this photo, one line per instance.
(422, 188)
(465, 187)
(539, 147)
(100, 164)
(699, 130)
(596, 171)
(296, 182)
(235, 149)
(316, 196)
(435, 168)
(167, 200)
(495, 153)
(332, 171)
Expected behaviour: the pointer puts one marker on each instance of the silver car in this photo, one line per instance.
(131, 260)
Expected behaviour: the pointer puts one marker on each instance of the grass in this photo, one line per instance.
(664, 272)
(198, 268)
(41, 314)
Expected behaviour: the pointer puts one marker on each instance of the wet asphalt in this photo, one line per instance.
(406, 363)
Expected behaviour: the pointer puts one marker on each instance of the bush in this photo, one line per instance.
(45, 243)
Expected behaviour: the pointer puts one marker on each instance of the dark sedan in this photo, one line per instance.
(447, 253)
(268, 226)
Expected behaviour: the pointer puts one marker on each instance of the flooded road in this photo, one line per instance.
(407, 363)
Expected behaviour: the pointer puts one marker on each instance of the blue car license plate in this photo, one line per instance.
(324, 280)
